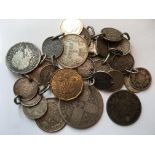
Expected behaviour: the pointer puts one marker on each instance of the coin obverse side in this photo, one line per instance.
(66, 84)
(23, 57)
(51, 121)
(75, 51)
(36, 111)
(84, 111)
(123, 107)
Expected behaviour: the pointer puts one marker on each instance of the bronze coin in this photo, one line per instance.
(85, 34)
(122, 63)
(25, 89)
(111, 34)
(84, 111)
(36, 111)
(51, 121)
(86, 70)
(102, 47)
(66, 84)
(103, 80)
(118, 80)
(124, 107)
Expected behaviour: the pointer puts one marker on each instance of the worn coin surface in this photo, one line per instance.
(52, 47)
(75, 51)
(25, 89)
(141, 80)
(36, 111)
(124, 107)
(85, 34)
(84, 111)
(103, 80)
(23, 57)
(71, 26)
(118, 80)
(122, 63)
(87, 69)
(66, 84)
(111, 34)
(51, 121)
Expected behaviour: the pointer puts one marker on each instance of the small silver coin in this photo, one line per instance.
(23, 58)
(36, 111)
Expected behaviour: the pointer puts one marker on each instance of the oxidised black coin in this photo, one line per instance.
(52, 47)
(103, 80)
(124, 107)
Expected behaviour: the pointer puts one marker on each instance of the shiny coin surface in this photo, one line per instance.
(25, 89)
(71, 26)
(75, 51)
(52, 47)
(66, 84)
(111, 34)
(141, 80)
(85, 34)
(122, 63)
(118, 80)
(123, 107)
(84, 111)
(103, 80)
(23, 57)
(36, 111)
(86, 70)
(51, 121)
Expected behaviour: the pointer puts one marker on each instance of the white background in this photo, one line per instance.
(12, 118)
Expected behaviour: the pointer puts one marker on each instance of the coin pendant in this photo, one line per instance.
(92, 49)
(36, 111)
(51, 121)
(85, 34)
(71, 26)
(124, 107)
(84, 111)
(23, 57)
(66, 84)
(75, 51)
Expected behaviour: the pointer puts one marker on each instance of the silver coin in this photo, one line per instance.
(23, 57)
(71, 26)
(36, 111)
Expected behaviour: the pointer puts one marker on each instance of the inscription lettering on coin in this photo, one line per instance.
(23, 57)
(84, 111)
(123, 107)
(66, 84)
(75, 51)
(52, 120)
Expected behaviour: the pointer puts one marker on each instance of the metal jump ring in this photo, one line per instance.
(126, 35)
(17, 100)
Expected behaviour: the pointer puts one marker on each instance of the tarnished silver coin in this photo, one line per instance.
(75, 51)
(23, 57)
(71, 26)
(36, 111)
(85, 34)
(84, 111)
(51, 121)
(52, 47)
(25, 88)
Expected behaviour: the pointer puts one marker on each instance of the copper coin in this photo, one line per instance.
(122, 63)
(84, 111)
(66, 84)
(85, 34)
(124, 107)
(75, 51)
(36, 111)
(103, 80)
(141, 80)
(111, 34)
(118, 80)
(86, 70)
(102, 47)
(51, 121)
(25, 88)
(34, 101)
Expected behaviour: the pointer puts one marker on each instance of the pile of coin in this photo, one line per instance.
(75, 65)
